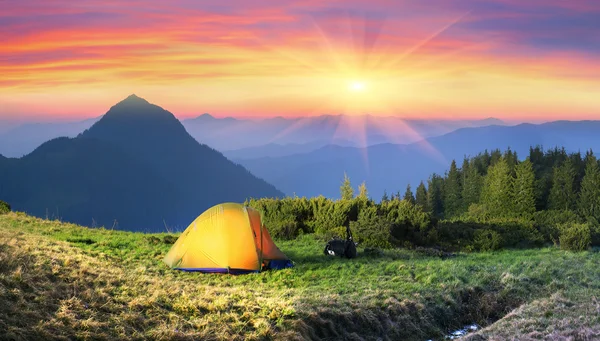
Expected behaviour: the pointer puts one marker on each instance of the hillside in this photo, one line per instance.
(136, 168)
(62, 281)
(390, 167)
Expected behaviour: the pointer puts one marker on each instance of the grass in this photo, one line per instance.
(62, 281)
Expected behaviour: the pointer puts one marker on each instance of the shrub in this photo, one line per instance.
(409, 222)
(284, 229)
(329, 215)
(576, 237)
(487, 240)
(285, 218)
(549, 221)
(4, 207)
(518, 234)
(372, 230)
(456, 234)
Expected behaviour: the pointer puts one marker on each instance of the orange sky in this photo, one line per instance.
(443, 59)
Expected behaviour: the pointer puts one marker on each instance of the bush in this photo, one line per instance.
(576, 237)
(285, 218)
(372, 230)
(409, 222)
(4, 207)
(549, 221)
(472, 235)
(329, 215)
(518, 234)
(487, 240)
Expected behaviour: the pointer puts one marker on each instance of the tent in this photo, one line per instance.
(226, 238)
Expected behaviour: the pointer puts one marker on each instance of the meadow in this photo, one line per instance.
(59, 280)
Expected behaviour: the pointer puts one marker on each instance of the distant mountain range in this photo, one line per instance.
(23, 139)
(254, 138)
(390, 167)
(136, 168)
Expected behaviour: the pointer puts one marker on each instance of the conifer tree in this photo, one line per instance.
(421, 197)
(495, 156)
(362, 191)
(589, 197)
(346, 190)
(385, 197)
(562, 193)
(473, 182)
(524, 189)
(497, 190)
(579, 168)
(484, 161)
(435, 196)
(452, 192)
(408, 195)
(512, 160)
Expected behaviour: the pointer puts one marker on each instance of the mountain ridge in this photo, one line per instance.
(137, 165)
(390, 167)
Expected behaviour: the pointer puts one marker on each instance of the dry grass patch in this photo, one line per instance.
(50, 290)
(573, 317)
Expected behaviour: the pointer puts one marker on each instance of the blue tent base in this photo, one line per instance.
(278, 264)
(219, 270)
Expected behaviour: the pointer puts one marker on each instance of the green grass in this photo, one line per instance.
(59, 280)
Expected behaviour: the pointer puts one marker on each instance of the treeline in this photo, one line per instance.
(492, 201)
(496, 184)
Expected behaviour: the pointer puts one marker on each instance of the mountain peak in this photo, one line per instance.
(206, 117)
(492, 120)
(136, 118)
(133, 99)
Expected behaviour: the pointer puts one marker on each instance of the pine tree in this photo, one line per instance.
(453, 192)
(385, 197)
(496, 195)
(421, 197)
(473, 182)
(562, 194)
(495, 156)
(524, 189)
(512, 160)
(483, 161)
(589, 198)
(579, 168)
(362, 191)
(346, 190)
(435, 196)
(408, 195)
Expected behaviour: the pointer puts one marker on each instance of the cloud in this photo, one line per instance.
(239, 47)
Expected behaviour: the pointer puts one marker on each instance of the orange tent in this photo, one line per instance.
(226, 238)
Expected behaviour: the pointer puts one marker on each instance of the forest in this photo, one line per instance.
(493, 201)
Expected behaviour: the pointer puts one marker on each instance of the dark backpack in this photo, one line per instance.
(343, 248)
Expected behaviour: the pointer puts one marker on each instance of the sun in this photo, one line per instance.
(357, 86)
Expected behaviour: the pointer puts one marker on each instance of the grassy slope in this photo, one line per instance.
(58, 280)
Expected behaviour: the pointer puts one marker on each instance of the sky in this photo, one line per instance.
(510, 59)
